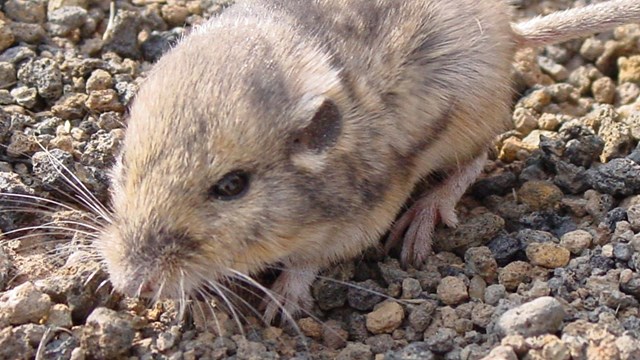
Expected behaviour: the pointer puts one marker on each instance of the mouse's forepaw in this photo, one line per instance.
(289, 295)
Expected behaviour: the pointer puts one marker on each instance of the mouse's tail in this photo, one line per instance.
(574, 23)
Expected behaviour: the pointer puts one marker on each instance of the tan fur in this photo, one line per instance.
(421, 85)
(573, 23)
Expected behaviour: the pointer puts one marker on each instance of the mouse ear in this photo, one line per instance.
(322, 132)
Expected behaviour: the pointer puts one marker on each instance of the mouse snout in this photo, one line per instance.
(147, 263)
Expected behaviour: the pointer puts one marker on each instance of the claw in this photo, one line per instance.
(418, 224)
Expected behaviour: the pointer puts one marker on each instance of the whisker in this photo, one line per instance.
(91, 276)
(182, 307)
(213, 313)
(103, 283)
(38, 198)
(356, 286)
(43, 343)
(50, 226)
(243, 301)
(267, 292)
(236, 318)
(272, 295)
(84, 195)
(156, 296)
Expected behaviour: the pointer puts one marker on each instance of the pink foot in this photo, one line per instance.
(290, 294)
(418, 223)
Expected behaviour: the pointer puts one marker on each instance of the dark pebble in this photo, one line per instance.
(415, 351)
(448, 270)
(619, 177)
(622, 251)
(602, 262)
(442, 341)
(530, 236)
(391, 272)
(585, 151)
(122, 40)
(380, 343)
(632, 324)
(547, 221)
(49, 167)
(634, 262)
(365, 295)
(357, 327)
(613, 216)
(635, 155)
(506, 248)
(158, 43)
(500, 184)
(329, 294)
(17, 54)
(570, 178)
(533, 172)
(44, 75)
(631, 286)
(551, 146)
(421, 315)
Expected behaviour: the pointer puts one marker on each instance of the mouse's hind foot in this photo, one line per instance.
(418, 223)
(290, 294)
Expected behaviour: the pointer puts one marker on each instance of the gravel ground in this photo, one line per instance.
(545, 263)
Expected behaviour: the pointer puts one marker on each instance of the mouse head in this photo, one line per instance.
(239, 153)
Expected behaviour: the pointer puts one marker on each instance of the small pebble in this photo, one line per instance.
(24, 304)
(474, 232)
(549, 122)
(452, 290)
(481, 315)
(477, 287)
(493, 294)
(26, 11)
(411, 288)
(618, 177)
(7, 75)
(576, 241)
(333, 335)
(517, 343)
(365, 295)
(540, 195)
(480, 261)
(421, 315)
(310, 327)
(103, 101)
(442, 341)
(604, 90)
(506, 248)
(59, 316)
(501, 353)
(514, 274)
(622, 251)
(524, 120)
(414, 351)
(548, 255)
(355, 351)
(380, 343)
(629, 69)
(633, 215)
(540, 316)
(167, 339)
(99, 80)
(385, 318)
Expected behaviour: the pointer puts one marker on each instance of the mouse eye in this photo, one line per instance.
(232, 186)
